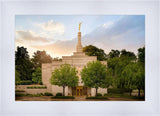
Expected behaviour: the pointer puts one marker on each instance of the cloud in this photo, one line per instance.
(126, 33)
(51, 26)
(59, 47)
(29, 37)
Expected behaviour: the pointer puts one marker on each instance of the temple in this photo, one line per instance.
(78, 60)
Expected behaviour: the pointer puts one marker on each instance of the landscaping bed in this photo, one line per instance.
(98, 97)
(63, 97)
(34, 95)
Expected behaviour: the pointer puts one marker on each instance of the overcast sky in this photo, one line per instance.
(57, 34)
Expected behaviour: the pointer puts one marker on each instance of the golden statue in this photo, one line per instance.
(80, 26)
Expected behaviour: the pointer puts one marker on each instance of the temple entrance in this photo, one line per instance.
(79, 91)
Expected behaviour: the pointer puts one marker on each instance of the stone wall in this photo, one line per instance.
(100, 90)
(31, 91)
(57, 89)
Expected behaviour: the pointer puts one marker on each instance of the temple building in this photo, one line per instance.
(78, 60)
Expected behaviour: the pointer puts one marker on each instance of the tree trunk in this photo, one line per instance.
(96, 91)
(63, 90)
(130, 92)
(139, 92)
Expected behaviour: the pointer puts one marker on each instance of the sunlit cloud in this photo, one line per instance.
(59, 47)
(29, 37)
(126, 33)
(51, 26)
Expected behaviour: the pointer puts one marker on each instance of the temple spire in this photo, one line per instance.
(79, 45)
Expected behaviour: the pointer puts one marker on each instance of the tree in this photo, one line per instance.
(133, 76)
(94, 51)
(129, 77)
(117, 62)
(114, 53)
(140, 78)
(64, 76)
(23, 64)
(141, 55)
(17, 78)
(117, 65)
(128, 54)
(37, 76)
(95, 75)
(40, 57)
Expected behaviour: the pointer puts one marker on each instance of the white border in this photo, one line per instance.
(147, 8)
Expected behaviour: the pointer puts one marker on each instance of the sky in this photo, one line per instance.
(57, 34)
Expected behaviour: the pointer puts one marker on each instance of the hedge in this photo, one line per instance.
(63, 97)
(20, 95)
(116, 90)
(48, 94)
(99, 94)
(59, 94)
(97, 97)
(36, 87)
(25, 82)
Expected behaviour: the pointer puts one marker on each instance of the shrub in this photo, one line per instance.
(37, 87)
(105, 94)
(99, 94)
(25, 82)
(41, 94)
(48, 94)
(34, 95)
(59, 94)
(63, 97)
(98, 97)
(116, 90)
(41, 83)
(20, 95)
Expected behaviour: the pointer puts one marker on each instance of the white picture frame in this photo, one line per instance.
(10, 8)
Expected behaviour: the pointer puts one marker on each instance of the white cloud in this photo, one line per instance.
(29, 37)
(107, 25)
(51, 26)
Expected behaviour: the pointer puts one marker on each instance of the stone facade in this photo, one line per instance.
(78, 60)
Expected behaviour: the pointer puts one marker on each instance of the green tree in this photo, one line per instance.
(40, 57)
(141, 55)
(116, 64)
(140, 78)
(91, 50)
(37, 76)
(17, 78)
(129, 77)
(114, 53)
(23, 64)
(141, 61)
(128, 54)
(65, 75)
(95, 75)
(133, 76)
